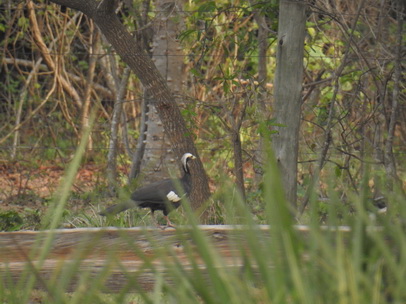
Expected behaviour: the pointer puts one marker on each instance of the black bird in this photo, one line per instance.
(165, 195)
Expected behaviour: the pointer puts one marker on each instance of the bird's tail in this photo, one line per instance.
(117, 208)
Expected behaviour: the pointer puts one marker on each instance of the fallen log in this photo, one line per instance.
(117, 258)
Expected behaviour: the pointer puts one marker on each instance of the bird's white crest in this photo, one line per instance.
(185, 158)
(173, 197)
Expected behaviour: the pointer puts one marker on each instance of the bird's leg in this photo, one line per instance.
(154, 218)
(168, 222)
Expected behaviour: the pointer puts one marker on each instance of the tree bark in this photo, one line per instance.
(111, 169)
(288, 88)
(389, 159)
(159, 161)
(144, 35)
(263, 32)
(102, 12)
(238, 161)
(141, 141)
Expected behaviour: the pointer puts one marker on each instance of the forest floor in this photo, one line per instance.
(27, 188)
(20, 182)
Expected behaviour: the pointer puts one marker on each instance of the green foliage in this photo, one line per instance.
(365, 265)
(23, 23)
(206, 7)
(326, 264)
(10, 221)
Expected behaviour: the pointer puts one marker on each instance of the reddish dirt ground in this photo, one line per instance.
(24, 186)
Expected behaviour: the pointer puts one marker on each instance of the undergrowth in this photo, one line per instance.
(364, 262)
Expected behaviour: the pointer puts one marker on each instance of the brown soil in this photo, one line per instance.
(24, 186)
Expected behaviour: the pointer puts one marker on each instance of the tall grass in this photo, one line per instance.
(325, 264)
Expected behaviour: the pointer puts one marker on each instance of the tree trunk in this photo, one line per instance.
(288, 88)
(141, 141)
(144, 35)
(236, 122)
(115, 122)
(389, 159)
(238, 162)
(159, 161)
(262, 93)
(102, 12)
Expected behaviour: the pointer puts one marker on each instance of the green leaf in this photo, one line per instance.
(10, 221)
(186, 34)
(207, 7)
(338, 171)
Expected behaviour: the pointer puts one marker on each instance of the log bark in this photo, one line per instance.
(120, 258)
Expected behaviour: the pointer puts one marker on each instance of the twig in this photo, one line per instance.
(46, 55)
(328, 136)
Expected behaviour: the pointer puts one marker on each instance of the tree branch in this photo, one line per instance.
(138, 60)
(86, 7)
(47, 57)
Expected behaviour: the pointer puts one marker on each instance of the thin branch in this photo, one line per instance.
(46, 55)
(28, 118)
(328, 134)
(22, 97)
(43, 67)
(112, 154)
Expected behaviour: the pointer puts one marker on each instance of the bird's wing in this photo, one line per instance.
(155, 192)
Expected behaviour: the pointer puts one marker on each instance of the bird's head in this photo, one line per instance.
(185, 159)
